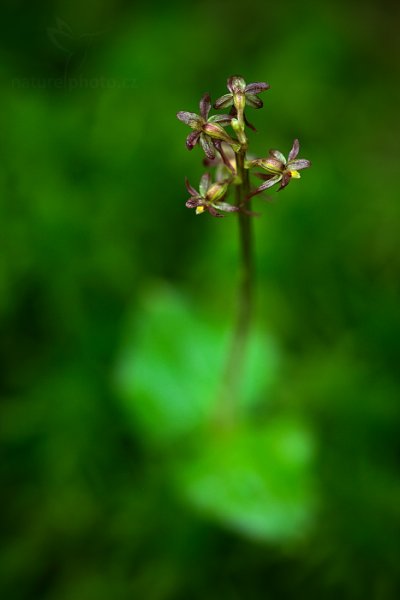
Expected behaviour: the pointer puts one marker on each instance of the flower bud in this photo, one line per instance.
(239, 130)
(217, 132)
(216, 191)
(271, 164)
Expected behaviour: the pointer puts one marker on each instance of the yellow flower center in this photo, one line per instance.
(199, 210)
(295, 174)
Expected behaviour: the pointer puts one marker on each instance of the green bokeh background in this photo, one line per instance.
(116, 304)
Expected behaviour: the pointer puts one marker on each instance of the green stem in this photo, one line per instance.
(234, 366)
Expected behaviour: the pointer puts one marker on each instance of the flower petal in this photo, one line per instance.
(225, 206)
(224, 157)
(190, 119)
(254, 101)
(205, 105)
(236, 84)
(192, 139)
(223, 102)
(278, 155)
(207, 146)
(263, 176)
(265, 185)
(223, 120)
(286, 177)
(257, 88)
(248, 123)
(194, 202)
(211, 162)
(294, 151)
(214, 212)
(204, 184)
(191, 189)
(300, 163)
(270, 182)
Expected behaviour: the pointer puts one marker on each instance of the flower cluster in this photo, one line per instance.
(228, 153)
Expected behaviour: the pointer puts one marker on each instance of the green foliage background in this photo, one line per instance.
(116, 304)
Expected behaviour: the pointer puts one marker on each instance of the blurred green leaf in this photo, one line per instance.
(255, 480)
(172, 364)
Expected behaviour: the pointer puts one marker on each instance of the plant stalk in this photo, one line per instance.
(234, 367)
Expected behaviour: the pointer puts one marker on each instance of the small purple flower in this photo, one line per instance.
(279, 169)
(241, 94)
(209, 197)
(207, 129)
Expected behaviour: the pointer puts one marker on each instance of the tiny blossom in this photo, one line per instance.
(241, 94)
(207, 130)
(278, 168)
(209, 197)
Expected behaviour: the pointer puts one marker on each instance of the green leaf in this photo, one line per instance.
(170, 370)
(255, 481)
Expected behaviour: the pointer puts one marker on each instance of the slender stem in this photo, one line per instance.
(234, 366)
(246, 243)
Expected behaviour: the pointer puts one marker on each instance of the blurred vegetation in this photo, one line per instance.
(116, 305)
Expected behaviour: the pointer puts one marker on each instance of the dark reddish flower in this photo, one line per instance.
(278, 168)
(206, 130)
(241, 94)
(209, 197)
